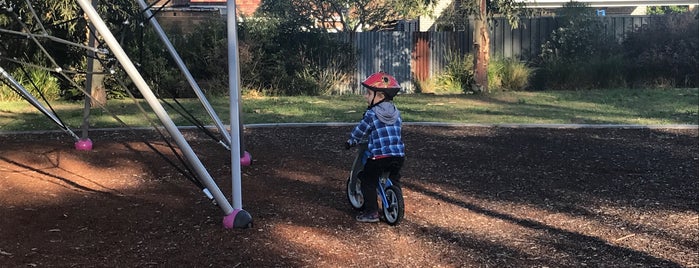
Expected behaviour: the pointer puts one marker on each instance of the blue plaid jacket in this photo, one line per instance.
(384, 139)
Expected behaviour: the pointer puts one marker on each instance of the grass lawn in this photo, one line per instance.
(628, 106)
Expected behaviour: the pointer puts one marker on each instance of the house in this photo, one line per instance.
(182, 15)
(245, 7)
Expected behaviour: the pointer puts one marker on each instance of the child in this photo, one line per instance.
(382, 125)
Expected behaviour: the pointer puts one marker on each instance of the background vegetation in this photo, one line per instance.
(277, 59)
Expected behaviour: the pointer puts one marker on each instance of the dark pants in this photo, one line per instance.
(370, 178)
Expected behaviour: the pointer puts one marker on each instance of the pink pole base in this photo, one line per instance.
(83, 145)
(246, 160)
(237, 219)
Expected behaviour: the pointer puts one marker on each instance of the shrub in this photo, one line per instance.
(317, 80)
(495, 69)
(293, 63)
(508, 74)
(427, 86)
(43, 80)
(596, 72)
(665, 52)
(205, 52)
(581, 35)
(457, 76)
(580, 54)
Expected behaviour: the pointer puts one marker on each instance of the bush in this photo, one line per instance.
(508, 74)
(293, 63)
(43, 80)
(665, 52)
(581, 36)
(580, 55)
(317, 80)
(595, 73)
(457, 76)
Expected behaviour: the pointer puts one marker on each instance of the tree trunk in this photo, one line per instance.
(98, 90)
(481, 46)
(95, 78)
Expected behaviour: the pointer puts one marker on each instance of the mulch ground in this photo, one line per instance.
(475, 197)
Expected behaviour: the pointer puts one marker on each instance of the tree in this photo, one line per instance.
(344, 15)
(511, 10)
(61, 19)
(292, 49)
(482, 12)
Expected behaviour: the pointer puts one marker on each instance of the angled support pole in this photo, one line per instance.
(30, 98)
(193, 83)
(158, 109)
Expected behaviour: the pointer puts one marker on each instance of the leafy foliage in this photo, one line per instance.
(281, 61)
(665, 52)
(32, 79)
(61, 19)
(317, 80)
(457, 15)
(457, 76)
(342, 15)
(581, 35)
(661, 10)
(508, 74)
(580, 54)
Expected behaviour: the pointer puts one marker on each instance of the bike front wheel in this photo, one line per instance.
(394, 212)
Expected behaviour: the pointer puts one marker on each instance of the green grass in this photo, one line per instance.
(635, 106)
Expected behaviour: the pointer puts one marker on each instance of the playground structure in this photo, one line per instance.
(235, 216)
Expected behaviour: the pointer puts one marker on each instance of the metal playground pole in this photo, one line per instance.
(240, 218)
(158, 109)
(202, 98)
(34, 102)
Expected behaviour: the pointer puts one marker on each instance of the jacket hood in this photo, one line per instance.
(386, 112)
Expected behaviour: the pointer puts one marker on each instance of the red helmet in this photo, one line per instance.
(382, 82)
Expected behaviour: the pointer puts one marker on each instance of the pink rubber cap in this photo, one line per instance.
(83, 145)
(246, 160)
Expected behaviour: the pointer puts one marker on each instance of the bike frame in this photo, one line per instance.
(384, 180)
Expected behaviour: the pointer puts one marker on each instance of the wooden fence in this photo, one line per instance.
(413, 56)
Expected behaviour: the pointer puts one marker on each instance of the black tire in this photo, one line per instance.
(395, 211)
(355, 199)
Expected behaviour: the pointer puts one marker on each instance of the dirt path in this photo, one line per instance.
(475, 197)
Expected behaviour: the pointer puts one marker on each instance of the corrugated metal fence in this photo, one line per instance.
(412, 56)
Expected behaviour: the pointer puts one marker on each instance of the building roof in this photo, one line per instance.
(244, 7)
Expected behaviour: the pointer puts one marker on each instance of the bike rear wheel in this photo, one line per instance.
(394, 212)
(354, 193)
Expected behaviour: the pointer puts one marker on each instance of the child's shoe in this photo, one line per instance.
(368, 217)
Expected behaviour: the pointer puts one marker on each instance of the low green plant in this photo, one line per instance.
(495, 69)
(508, 74)
(426, 86)
(32, 80)
(317, 80)
(597, 72)
(515, 75)
(606, 72)
(457, 76)
(7, 94)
